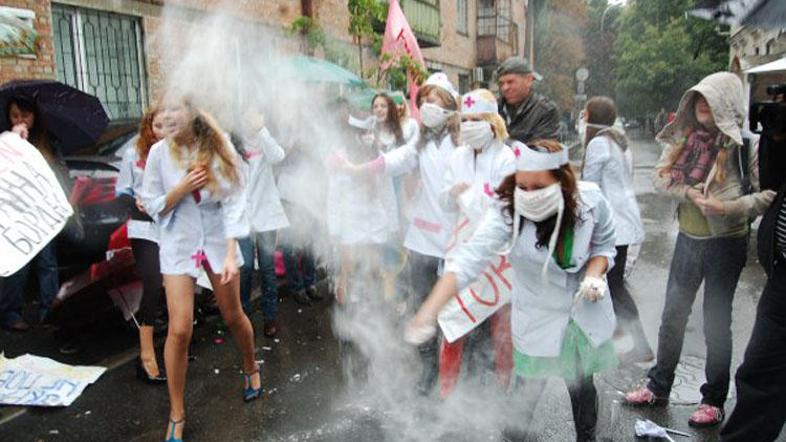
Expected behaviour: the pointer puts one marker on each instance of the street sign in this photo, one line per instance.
(582, 74)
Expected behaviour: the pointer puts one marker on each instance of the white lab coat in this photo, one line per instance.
(612, 169)
(191, 227)
(484, 172)
(129, 182)
(265, 212)
(431, 225)
(541, 309)
(358, 208)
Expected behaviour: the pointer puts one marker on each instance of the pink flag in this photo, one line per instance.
(399, 39)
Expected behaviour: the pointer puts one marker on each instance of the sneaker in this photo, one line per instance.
(706, 416)
(270, 329)
(637, 356)
(643, 397)
(17, 326)
(314, 294)
(302, 298)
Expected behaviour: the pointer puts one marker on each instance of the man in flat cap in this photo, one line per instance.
(529, 116)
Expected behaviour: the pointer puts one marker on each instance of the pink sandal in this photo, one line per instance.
(643, 397)
(706, 416)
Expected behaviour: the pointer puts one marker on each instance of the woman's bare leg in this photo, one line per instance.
(228, 300)
(147, 352)
(180, 304)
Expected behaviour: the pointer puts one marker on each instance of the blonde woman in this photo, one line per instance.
(192, 188)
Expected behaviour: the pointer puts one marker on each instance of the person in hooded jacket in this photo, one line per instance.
(431, 226)
(608, 162)
(700, 170)
(476, 169)
(559, 237)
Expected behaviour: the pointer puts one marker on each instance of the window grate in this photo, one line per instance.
(100, 53)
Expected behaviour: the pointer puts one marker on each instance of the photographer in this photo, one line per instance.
(761, 379)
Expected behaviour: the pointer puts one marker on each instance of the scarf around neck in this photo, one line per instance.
(696, 159)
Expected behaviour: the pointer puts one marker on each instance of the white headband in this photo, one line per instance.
(472, 103)
(531, 160)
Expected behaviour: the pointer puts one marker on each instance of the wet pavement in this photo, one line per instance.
(309, 397)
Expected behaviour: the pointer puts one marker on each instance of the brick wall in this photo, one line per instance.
(43, 65)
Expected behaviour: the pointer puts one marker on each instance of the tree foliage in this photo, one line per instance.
(559, 48)
(601, 34)
(660, 52)
(363, 16)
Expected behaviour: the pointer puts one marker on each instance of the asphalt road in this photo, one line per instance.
(311, 396)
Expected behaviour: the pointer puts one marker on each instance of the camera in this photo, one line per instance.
(769, 119)
(771, 115)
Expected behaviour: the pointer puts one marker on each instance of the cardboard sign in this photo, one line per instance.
(481, 299)
(33, 206)
(33, 380)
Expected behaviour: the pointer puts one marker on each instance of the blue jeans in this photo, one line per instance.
(12, 296)
(262, 246)
(718, 262)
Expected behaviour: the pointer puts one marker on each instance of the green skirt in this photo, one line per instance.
(577, 354)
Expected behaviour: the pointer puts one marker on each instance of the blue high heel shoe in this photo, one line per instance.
(173, 424)
(249, 392)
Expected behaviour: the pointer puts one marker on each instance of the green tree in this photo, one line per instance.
(560, 50)
(660, 52)
(364, 15)
(601, 34)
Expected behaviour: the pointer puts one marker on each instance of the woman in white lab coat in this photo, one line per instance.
(608, 162)
(193, 189)
(265, 214)
(143, 233)
(561, 248)
(476, 168)
(431, 226)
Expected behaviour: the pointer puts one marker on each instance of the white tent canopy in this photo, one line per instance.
(773, 66)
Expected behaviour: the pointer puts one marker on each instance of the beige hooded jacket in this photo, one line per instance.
(723, 92)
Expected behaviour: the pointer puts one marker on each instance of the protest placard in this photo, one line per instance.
(481, 299)
(33, 206)
(36, 381)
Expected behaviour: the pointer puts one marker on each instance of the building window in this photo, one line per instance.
(101, 53)
(463, 83)
(463, 17)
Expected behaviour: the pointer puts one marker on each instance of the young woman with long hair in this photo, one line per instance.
(700, 169)
(143, 233)
(608, 162)
(431, 226)
(559, 237)
(192, 188)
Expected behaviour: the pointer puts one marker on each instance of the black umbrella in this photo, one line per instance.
(75, 118)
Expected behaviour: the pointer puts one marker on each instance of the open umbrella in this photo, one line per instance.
(75, 118)
(16, 36)
(317, 70)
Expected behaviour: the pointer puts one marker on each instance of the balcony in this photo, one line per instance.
(424, 19)
(498, 38)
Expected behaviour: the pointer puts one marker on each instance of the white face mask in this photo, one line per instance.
(434, 116)
(477, 134)
(538, 205)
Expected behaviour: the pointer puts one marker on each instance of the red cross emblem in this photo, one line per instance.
(517, 151)
(199, 257)
(469, 102)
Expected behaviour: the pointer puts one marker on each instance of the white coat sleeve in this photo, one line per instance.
(469, 259)
(272, 151)
(597, 156)
(125, 179)
(403, 159)
(603, 240)
(446, 200)
(233, 202)
(507, 167)
(153, 190)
